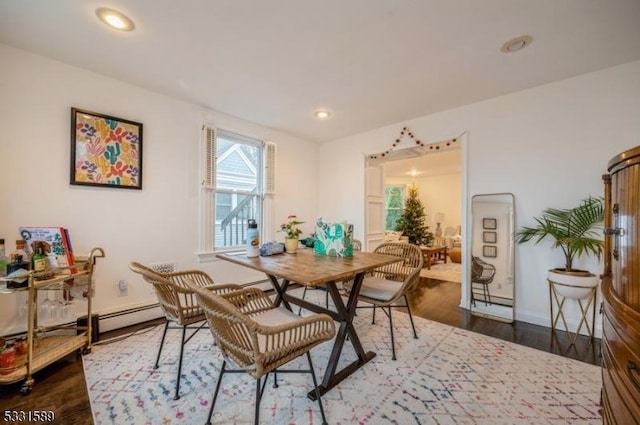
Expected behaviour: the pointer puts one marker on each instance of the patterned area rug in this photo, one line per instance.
(451, 272)
(446, 376)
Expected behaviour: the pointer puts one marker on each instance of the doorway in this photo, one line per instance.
(440, 176)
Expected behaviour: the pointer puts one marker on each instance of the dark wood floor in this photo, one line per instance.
(438, 301)
(61, 387)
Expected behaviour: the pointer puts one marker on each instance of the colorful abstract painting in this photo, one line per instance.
(105, 150)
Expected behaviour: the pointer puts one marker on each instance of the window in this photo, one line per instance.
(223, 204)
(394, 204)
(233, 188)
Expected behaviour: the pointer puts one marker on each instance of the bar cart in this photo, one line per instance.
(48, 344)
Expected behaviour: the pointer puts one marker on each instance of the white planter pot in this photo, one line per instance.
(573, 285)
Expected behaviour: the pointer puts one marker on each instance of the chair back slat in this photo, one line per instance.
(176, 300)
(167, 297)
(406, 271)
(258, 348)
(229, 326)
(357, 245)
(481, 271)
(198, 277)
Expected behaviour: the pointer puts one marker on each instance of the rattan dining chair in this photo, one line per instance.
(482, 273)
(388, 284)
(357, 246)
(179, 304)
(258, 337)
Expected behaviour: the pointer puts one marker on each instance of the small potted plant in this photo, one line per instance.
(292, 233)
(576, 231)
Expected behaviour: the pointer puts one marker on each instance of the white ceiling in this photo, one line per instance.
(428, 165)
(371, 62)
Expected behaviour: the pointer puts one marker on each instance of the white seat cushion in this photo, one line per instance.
(379, 288)
(274, 317)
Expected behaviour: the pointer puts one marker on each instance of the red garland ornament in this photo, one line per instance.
(417, 142)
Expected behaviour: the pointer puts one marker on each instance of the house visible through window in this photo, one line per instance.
(394, 203)
(233, 188)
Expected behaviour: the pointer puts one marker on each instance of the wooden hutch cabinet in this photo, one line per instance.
(621, 291)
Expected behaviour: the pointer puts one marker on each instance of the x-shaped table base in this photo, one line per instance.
(344, 314)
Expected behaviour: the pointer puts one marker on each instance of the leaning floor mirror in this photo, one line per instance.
(492, 249)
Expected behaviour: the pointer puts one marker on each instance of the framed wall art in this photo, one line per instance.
(489, 223)
(489, 251)
(105, 150)
(489, 237)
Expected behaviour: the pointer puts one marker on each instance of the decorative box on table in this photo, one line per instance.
(334, 239)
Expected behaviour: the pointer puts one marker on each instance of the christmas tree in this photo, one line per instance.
(411, 223)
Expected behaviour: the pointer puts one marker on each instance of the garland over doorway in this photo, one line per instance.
(418, 147)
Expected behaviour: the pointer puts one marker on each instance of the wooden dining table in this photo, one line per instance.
(308, 269)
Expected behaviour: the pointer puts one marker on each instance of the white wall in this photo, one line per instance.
(548, 146)
(158, 223)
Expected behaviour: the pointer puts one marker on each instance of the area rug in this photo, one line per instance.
(446, 376)
(451, 272)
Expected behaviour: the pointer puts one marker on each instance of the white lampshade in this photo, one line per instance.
(438, 217)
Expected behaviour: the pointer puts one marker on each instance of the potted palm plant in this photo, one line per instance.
(576, 231)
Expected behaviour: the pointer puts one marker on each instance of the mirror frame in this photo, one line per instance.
(488, 231)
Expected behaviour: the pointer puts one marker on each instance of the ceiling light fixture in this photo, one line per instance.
(516, 44)
(114, 19)
(322, 114)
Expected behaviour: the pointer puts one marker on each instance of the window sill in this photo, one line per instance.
(210, 256)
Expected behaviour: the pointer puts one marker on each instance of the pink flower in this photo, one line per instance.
(291, 227)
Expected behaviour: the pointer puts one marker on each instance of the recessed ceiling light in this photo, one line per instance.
(322, 114)
(516, 44)
(114, 19)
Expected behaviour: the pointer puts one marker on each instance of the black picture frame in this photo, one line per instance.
(489, 237)
(489, 251)
(489, 223)
(106, 151)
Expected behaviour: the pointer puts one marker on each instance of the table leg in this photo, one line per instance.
(280, 291)
(345, 317)
(344, 314)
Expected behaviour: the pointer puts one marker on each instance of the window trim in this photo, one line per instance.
(209, 136)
